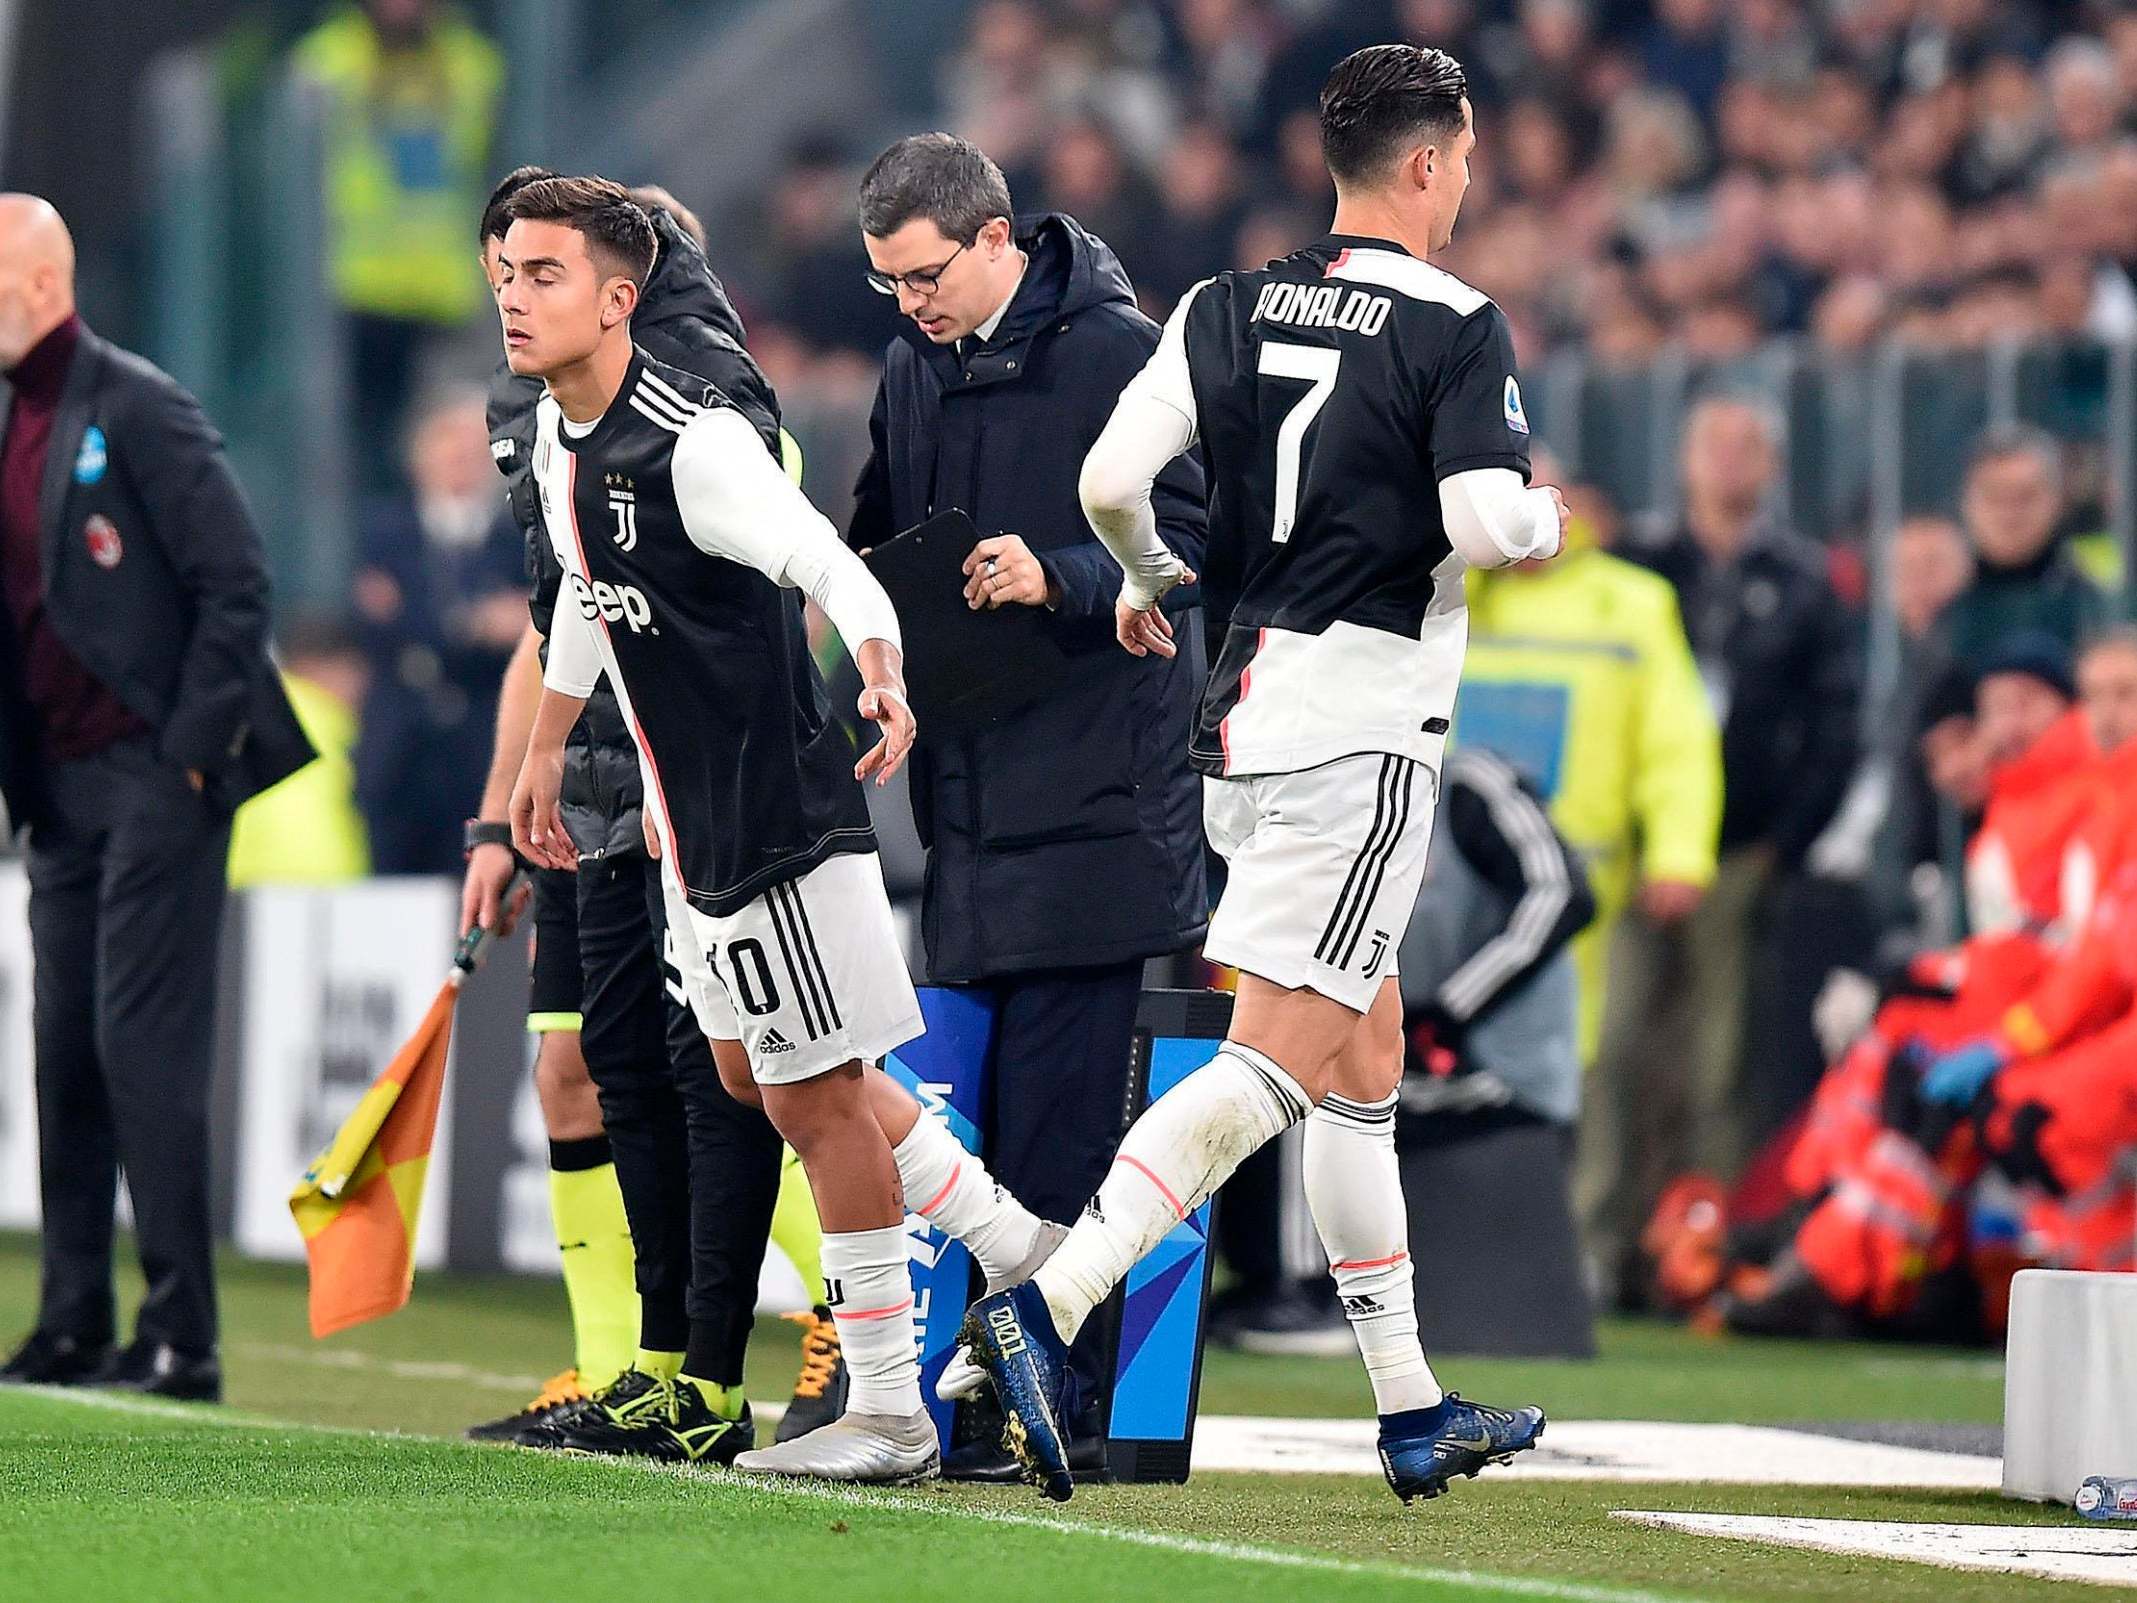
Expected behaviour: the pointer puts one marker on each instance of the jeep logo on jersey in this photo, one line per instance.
(1516, 419)
(623, 507)
(613, 603)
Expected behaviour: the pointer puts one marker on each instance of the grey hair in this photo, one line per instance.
(2000, 440)
(1761, 407)
(2115, 637)
(950, 181)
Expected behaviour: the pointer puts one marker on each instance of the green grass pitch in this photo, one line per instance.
(330, 1476)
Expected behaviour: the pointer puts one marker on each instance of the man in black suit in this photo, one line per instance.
(138, 707)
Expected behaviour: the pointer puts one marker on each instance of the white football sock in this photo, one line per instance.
(870, 1288)
(1184, 1147)
(952, 1190)
(1354, 1188)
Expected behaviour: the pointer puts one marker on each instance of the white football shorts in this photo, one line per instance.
(808, 976)
(1325, 866)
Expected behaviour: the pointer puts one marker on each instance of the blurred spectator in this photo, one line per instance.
(2024, 580)
(409, 96)
(1686, 48)
(441, 600)
(1202, 187)
(1580, 676)
(808, 253)
(1086, 176)
(1776, 648)
(1490, 1005)
(307, 830)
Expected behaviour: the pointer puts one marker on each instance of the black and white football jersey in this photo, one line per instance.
(672, 596)
(1330, 393)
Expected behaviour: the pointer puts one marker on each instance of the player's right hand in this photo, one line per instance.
(538, 832)
(1143, 631)
(1565, 521)
(482, 892)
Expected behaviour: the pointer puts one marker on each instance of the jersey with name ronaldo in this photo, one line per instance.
(748, 776)
(1331, 392)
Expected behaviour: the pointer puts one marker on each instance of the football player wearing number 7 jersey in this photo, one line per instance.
(1361, 423)
(682, 546)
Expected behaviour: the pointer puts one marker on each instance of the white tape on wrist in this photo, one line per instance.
(895, 695)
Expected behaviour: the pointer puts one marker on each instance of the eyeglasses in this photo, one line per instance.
(921, 281)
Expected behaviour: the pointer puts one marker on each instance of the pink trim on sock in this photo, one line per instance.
(874, 1313)
(1164, 1190)
(1372, 1263)
(936, 1201)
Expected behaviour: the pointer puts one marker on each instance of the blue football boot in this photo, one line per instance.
(1424, 1449)
(1011, 1336)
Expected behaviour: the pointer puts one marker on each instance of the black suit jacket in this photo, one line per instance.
(172, 616)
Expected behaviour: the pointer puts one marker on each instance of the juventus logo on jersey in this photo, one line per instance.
(623, 507)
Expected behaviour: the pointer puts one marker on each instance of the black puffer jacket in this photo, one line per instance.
(686, 320)
(1068, 833)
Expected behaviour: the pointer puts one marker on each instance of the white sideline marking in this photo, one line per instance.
(1578, 1449)
(1606, 1450)
(906, 1502)
(398, 1368)
(2097, 1554)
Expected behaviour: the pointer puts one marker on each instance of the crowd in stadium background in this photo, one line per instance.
(1684, 188)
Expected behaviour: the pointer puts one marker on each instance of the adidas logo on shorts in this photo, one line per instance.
(773, 1041)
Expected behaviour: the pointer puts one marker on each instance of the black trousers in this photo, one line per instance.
(126, 905)
(698, 1170)
(1057, 1101)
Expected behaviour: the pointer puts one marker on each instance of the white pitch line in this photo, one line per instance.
(399, 1368)
(2098, 1555)
(859, 1498)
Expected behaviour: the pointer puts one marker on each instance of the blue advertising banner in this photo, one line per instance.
(1153, 1326)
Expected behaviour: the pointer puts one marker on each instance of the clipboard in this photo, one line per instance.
(963, 669)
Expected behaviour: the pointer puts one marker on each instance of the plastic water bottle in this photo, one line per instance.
(2104, 1497)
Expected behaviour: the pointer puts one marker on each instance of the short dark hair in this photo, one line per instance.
(950, 181)
(618, 233)
(495, 218)
(1382, 96)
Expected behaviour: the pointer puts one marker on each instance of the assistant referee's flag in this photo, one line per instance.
(358, 1203)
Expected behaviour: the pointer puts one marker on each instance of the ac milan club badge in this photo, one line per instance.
(102, 536)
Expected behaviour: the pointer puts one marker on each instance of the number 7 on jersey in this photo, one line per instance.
(1316, 364)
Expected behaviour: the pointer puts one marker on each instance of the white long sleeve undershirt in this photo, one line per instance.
(737, 504)
(574, 665)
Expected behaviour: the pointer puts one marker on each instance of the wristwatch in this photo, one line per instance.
(484, 832)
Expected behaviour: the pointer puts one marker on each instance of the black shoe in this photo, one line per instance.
(1286, 1322)
(992, 1464)
(48, 1359)
(642, 1416)
(157, 1369)
(820, 1392)
(560, 1398)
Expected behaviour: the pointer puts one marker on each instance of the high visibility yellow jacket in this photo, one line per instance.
(306, 830)
(407, 145)
(1580, 675)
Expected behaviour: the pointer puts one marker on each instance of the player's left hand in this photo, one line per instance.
(1957, 1077)
(538, 832)
(1001, 571)
(885, 707)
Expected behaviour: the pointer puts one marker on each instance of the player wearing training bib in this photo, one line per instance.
(1360, 419)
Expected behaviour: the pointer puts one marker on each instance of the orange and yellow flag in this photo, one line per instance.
(357, 1204)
